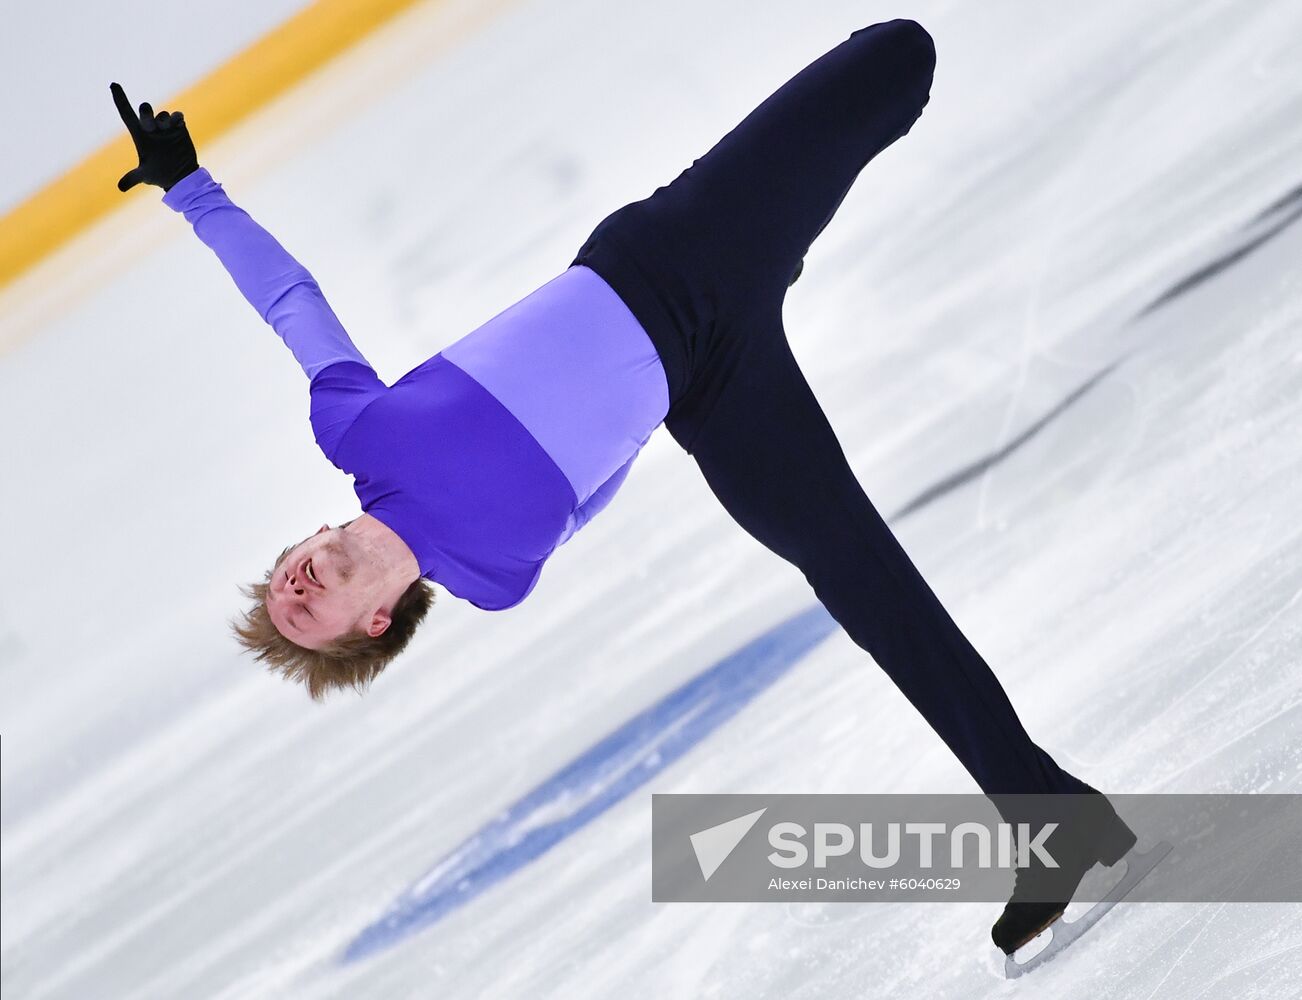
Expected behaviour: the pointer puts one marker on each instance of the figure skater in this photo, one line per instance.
(475, 466)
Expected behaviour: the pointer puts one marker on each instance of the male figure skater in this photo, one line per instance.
(476, 465)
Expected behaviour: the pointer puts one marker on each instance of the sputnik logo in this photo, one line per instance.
(713, 845)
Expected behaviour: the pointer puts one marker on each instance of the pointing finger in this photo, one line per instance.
(124, 108)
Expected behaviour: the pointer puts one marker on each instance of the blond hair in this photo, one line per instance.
(353, 660)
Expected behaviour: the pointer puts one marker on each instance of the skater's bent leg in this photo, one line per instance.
(769, 454)
(773, 182)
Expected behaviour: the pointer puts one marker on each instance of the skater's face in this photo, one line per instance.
(318, 590)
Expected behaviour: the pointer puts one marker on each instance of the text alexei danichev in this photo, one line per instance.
(860, 884)
(833, 884)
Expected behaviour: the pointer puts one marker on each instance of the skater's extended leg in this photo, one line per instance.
(731, 230)
(756, 201)
(770, 456)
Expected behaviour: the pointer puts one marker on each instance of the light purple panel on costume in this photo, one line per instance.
(574, 366)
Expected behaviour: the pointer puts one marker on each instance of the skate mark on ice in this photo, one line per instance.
(1172, 704)
(974, 470)
(597, 779)
(1282, 202)
(1189, 946)
(1249, 966)
(1227, 260)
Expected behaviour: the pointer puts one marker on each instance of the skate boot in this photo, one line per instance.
(1089, 832)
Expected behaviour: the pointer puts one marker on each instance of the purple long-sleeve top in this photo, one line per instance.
(492, 453)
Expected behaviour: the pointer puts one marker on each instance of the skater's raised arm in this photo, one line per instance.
(281, 289)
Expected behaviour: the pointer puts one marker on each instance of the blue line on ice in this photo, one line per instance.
(597, 779)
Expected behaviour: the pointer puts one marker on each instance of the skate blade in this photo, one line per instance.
(1064, 932)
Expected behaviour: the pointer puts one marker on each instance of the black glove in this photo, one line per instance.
(162, 142)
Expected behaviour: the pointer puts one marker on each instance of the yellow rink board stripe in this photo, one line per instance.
(66, 206)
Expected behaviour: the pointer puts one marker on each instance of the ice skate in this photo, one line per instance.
(1089, 833)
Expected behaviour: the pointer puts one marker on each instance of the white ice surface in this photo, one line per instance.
(178, 824)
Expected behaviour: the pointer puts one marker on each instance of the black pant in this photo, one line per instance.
(704, 263)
